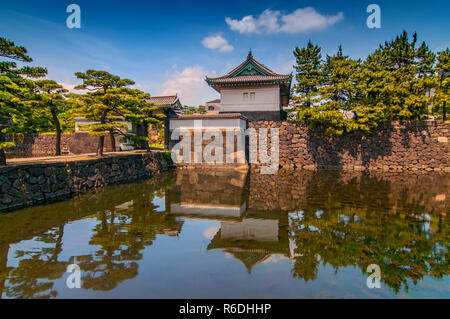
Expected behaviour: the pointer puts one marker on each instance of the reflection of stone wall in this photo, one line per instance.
(44, 145)
(211, 187)
(411, 146)
(27, 184)
(396, 192)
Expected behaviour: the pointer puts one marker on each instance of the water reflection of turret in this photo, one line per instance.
(250, 236)
(212, 194)
(254, 239)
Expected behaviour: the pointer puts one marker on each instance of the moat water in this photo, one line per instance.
(235, 234)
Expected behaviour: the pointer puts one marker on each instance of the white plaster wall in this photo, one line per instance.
(207, 210)
(251, 229)
(266, 99)
(207, 123)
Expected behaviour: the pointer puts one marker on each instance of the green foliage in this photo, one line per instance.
(201, 109)
(442, 83)
(168, 157)
(15, 91)
(16, 86)
(110, 101)
(308, 73)
(49, 105)
(396, 79)
(4, 145)
(343, 95)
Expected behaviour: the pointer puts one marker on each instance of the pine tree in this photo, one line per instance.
(138, 111)
(102, 103)
(442, 94)
(15, 89)
(395, 79)
(308, 76)
(336, 98)
(201, 109)
(50, 102)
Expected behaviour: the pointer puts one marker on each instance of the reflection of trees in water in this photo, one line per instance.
(120, 236)
(358, 222)
(31, 279)
(336, 219)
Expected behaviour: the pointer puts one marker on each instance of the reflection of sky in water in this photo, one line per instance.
(160, 203)
(307, 252)
(182, 267)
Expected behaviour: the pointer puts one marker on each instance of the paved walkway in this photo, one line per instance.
(69, 158)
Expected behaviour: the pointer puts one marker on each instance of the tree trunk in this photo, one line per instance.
(113, 142)
(58, 133)
(2, 157)
(147, 146)
(444, 111)
(2, 151)
(101, 141)
(144, 133)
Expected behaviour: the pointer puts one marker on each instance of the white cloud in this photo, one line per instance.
(71, 88)
(210, 232)
(217, 43)
(301, 20)
(190, 85)
(138, 86)
(275, 259)
(246, 25)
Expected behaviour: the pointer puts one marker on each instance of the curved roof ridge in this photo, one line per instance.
(257, 63)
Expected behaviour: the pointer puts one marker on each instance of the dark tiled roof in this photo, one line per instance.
(211, 116)
(251, 78)
(269, 77)
(214, 101)
(163, 100)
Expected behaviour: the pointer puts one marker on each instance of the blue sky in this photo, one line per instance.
(170, 46)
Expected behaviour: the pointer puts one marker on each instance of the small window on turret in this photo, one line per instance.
(245, 96)
(252, 96)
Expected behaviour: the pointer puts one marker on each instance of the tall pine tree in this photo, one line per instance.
(50, 102)
(336, 99)
(308, 76)
(16, 88)
(395, 79)
(442, 87)
(102, 103)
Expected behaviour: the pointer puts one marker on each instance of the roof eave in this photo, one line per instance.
(218, 84)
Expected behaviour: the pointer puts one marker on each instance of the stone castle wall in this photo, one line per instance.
(44, 144)
(24, 185)
(367, 191)
(392, 147)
